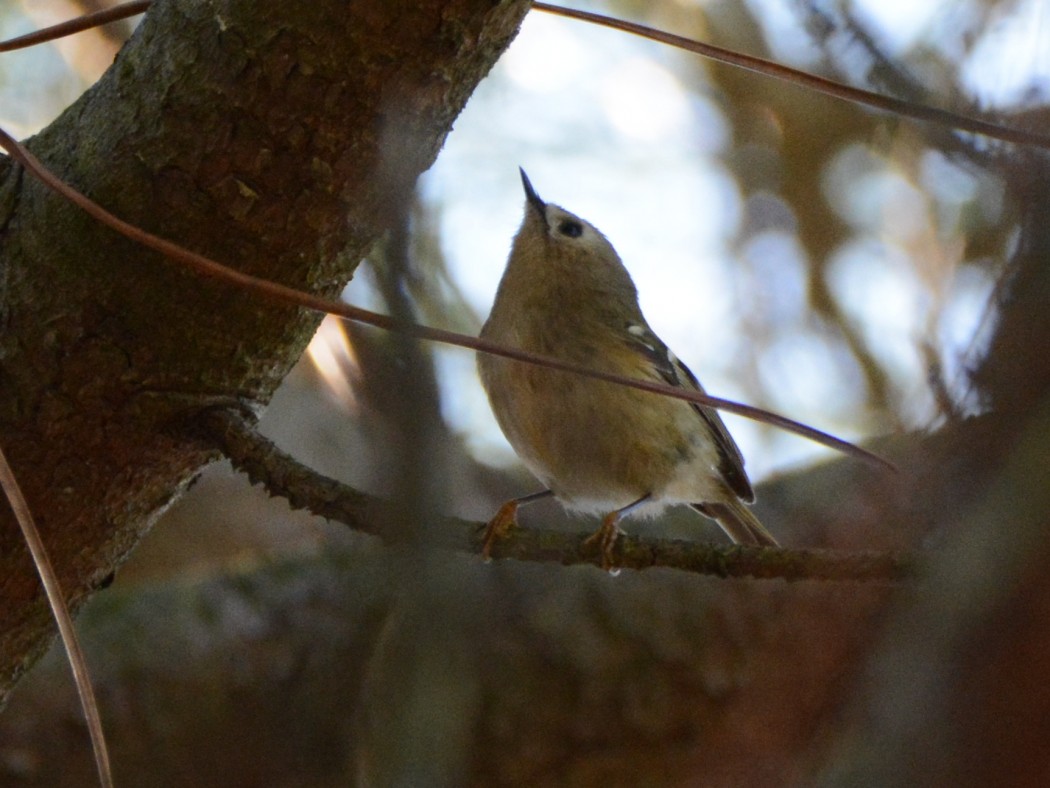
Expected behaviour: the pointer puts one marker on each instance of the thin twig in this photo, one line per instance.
(78, 25)
(303, 488)
(68, 632)
(823, 85)
(289, 296)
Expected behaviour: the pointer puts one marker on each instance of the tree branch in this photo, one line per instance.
(303, 488)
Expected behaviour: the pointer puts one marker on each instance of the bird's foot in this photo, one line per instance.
(605, 539)
(499, 527)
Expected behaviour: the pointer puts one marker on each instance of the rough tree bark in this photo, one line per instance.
(275, 137)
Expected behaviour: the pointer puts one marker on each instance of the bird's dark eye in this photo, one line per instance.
(570, 228)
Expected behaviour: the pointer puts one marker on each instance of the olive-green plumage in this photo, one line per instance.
(600, 447)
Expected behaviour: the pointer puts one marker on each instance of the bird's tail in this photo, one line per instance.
(738, 522)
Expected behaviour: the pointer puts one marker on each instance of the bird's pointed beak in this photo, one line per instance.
(533, 199)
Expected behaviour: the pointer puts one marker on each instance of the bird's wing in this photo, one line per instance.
(666, 364)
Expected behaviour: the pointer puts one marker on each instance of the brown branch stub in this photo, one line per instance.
(284, 476)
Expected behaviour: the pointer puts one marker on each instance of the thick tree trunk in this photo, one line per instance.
(275, 137)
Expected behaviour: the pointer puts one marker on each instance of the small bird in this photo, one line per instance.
(599, 447)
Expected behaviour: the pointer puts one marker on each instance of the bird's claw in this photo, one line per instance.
(605, 539)
(499, 527)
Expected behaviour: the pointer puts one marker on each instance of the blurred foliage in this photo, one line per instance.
(793, 150)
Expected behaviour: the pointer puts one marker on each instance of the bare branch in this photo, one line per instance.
(303, 488)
